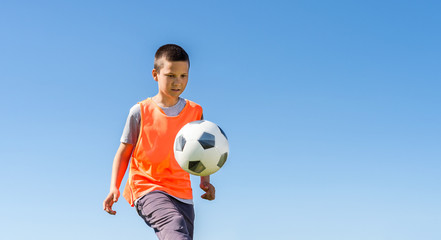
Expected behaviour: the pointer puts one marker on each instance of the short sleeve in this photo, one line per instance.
(131, 129)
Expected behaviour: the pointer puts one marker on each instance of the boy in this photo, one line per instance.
(157, 186)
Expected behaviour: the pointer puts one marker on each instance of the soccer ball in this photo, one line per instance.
(201, 148)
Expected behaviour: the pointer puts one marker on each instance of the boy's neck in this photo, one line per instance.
(165, 102)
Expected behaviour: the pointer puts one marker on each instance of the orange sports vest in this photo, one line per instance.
(153, 165)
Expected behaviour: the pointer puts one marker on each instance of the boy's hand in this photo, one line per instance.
(110, 200)
(209, 189)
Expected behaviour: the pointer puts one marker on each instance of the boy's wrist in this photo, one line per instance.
(205, 179)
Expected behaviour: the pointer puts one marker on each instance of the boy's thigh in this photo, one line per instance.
(170, 218)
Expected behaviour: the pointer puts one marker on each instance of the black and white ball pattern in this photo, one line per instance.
(201, 148)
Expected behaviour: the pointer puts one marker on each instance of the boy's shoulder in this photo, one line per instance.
(192, 103)
(135, 108)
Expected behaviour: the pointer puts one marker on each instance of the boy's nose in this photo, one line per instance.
(178, 80)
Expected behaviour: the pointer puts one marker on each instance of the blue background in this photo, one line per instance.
(332, 109)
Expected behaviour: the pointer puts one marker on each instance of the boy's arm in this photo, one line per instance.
(205, 185)
(209, 189)
(120, 163)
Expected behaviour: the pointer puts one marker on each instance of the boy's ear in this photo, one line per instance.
(155, 74)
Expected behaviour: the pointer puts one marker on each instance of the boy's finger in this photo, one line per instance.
(110, 211)
(207, 197)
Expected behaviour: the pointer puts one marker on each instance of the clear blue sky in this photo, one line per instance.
(332, 109)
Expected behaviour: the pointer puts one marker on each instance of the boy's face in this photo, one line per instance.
(172, 78)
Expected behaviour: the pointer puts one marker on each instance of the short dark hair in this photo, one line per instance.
(171, 52)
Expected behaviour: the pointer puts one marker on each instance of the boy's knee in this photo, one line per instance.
(176, 222)
(174, 229)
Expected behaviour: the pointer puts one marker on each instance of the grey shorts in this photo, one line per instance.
(170, 218)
